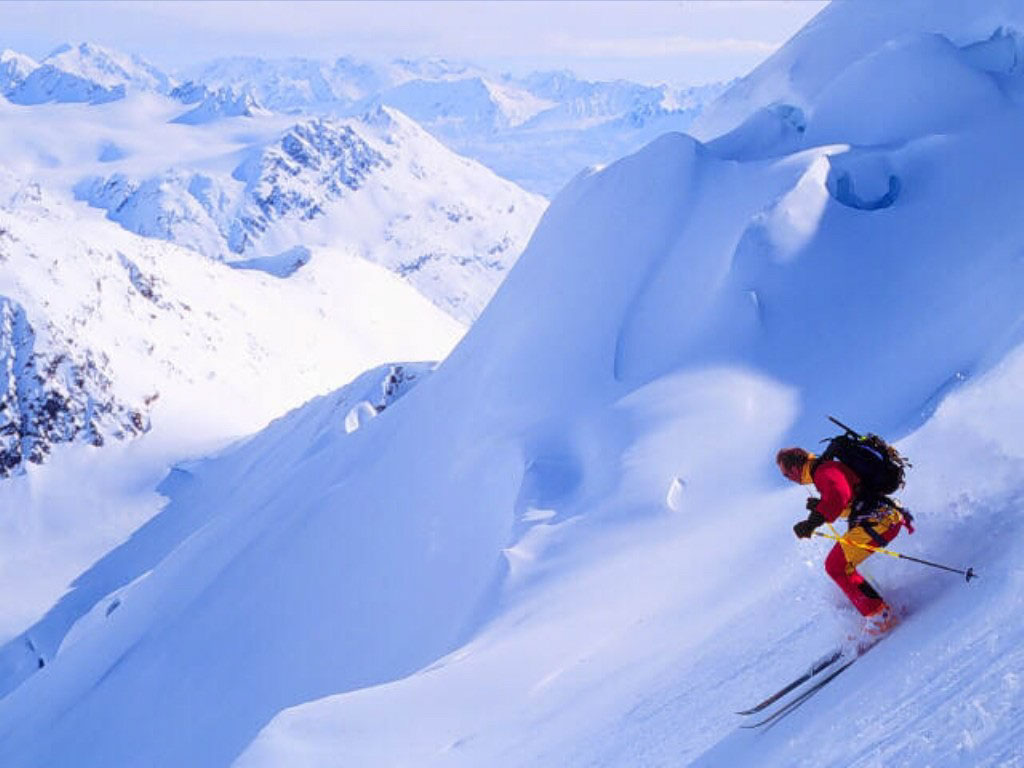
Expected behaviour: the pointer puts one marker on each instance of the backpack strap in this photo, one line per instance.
(875, 535)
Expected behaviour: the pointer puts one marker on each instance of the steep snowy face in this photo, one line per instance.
(315, 163)
(378, 185)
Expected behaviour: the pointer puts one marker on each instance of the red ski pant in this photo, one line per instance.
(841, 563)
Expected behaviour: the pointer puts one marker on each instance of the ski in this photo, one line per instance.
(821, 664)
(778, 714)
(847, 657)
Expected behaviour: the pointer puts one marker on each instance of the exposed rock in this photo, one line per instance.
(54, 397)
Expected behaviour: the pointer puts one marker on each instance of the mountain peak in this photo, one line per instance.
(107, 67)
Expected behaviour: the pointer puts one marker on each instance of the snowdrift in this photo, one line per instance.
(568, 545)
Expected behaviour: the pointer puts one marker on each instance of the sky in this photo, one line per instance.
(681, 42)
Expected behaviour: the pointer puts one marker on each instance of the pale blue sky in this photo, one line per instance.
(678, 42)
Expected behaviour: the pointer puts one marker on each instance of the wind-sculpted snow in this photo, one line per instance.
(863, 180)
(569, 545)
(842, 44)
(770, 132)
(898, 99)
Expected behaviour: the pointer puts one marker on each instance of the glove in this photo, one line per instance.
(805, 528)
(812, 503)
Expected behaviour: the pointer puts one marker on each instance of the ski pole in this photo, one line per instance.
(969, 573)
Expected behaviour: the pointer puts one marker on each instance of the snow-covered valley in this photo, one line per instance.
(567, 544)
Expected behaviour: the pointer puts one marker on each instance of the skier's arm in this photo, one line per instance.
(835, 489)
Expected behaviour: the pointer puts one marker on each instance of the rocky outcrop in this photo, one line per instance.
(57, 396)
(315, 162)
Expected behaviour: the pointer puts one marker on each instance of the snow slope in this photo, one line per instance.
(569, 544)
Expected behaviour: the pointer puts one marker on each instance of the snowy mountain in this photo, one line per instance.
(377, 185)
(217, 105)
(543, 129)
(463, 106)
(50, 83)
(296, 85)
(539, 130)
(568, 545)
(87, 73)
(108, 67)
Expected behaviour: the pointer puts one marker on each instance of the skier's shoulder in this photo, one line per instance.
(831, 471)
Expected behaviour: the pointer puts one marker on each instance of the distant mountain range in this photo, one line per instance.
(538, 130)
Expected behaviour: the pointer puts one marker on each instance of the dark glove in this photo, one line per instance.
(805, 528)
(812, 503)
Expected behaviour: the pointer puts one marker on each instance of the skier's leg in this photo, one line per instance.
(845, 556)
(841, 564)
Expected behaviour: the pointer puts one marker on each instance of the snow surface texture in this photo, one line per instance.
(568, 545)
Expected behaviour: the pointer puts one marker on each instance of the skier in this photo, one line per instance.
(872, 521)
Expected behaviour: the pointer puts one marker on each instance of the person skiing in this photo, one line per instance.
(873, 521)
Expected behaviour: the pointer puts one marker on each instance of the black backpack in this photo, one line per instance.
(879, 466)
